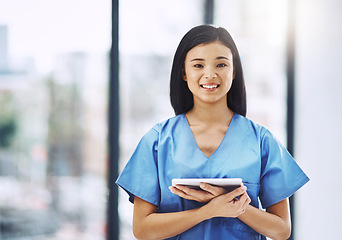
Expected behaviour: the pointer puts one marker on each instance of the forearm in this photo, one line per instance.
(166, 225)
(267, 224)
(149, 224)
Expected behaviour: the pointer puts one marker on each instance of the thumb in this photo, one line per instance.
(236, 193)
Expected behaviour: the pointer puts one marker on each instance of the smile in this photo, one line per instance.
(210, 86)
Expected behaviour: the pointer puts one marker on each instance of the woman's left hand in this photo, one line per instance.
(207, 193)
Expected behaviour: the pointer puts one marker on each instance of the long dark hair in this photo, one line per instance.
(180, 96)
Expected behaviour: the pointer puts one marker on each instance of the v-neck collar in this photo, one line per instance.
(192, 136)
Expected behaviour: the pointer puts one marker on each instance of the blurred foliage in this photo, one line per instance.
(64, 129)
(8, 119)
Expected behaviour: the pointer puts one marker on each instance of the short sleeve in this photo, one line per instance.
(280, 174)
(140, 175)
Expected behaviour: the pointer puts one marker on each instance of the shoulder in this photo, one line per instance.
(163, 130)
(260, 133)
(168, 125)
(249, 127)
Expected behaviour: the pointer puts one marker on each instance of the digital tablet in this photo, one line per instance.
(228, 183)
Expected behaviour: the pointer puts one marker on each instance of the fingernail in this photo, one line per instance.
(202, 185)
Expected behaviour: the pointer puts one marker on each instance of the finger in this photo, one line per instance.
(175, 190)
(236, 193)
(187, 190)
(197, 195)
(179, 192)
(190, 194)
(213, 190)
(243, 198)
(248, 200)
(246, 203)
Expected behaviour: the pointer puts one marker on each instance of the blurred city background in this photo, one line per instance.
(53, 118)
(54, 77)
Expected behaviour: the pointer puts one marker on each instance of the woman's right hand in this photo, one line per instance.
(205, 195)
(149, 224)
(231, 204)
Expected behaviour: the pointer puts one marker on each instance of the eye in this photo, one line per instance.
(222, 65)
(198, 65)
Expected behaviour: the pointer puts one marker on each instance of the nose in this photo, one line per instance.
(210, 73)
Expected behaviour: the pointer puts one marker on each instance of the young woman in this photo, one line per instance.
(210, 137)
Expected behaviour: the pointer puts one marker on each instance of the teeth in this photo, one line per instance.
(209, 86)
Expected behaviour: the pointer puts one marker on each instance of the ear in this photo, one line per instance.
(183, 74)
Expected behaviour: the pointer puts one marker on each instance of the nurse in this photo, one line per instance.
(210, 137)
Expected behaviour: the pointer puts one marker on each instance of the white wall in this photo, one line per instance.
(318, 146)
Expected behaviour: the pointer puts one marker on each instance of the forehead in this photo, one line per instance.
(213, 49)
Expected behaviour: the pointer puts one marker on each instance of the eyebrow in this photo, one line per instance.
(201, 59)
(222, 57)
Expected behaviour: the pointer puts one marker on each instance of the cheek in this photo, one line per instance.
(192, 77)
(191, 84)
(228, 81)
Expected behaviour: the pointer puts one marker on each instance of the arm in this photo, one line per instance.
(149, 224)
(275, 223)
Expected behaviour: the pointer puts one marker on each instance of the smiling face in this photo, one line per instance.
(209, 72)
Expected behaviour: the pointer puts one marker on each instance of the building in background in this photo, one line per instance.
(53, 132)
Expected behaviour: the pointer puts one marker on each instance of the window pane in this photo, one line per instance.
(53, 111)
(149, 35)
(259, 30)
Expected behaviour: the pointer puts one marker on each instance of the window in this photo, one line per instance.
(259, 29)
(53, 118)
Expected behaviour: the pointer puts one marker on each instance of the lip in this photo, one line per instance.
(209, 86)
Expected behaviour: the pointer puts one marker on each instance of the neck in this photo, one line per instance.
(217, 113)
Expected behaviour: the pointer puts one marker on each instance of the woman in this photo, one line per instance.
(210, 137)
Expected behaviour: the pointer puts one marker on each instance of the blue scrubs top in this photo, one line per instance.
(247, 151)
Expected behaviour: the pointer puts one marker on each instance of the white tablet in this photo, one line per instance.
(229, 183)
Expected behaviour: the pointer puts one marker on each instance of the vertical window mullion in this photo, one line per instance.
(290, 74)
(113, 131)
(209, 12)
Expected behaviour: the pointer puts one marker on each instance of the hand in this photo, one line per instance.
(207, 193)
(229, 205)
